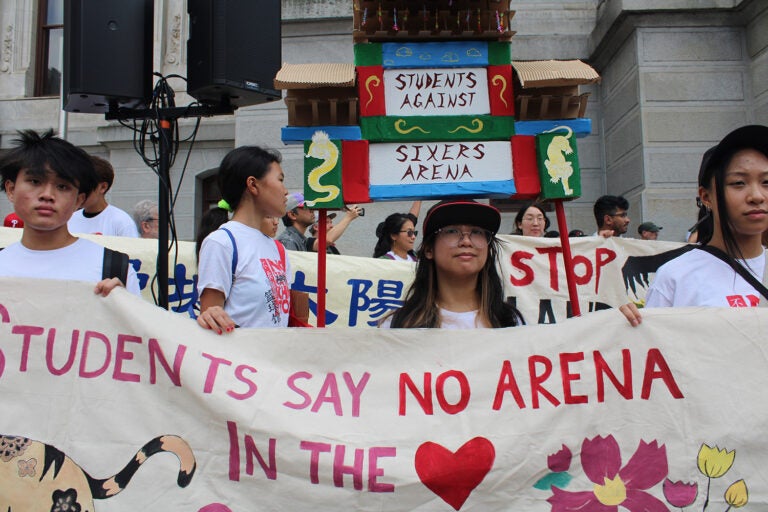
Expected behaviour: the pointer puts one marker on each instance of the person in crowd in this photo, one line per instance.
(210, 222)
(396, 237)
(269, 226)
(333, 231)
(576, 233)
(145, 215)
(243, 273)
(648, 231)
(297, 219)
(611, 216)
(531, 220)
(727, 268)
(552, 234)
(46, 179)
(457, 284)
(99, 217)
(13, 221)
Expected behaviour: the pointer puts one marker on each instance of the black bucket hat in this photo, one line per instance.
(461, 211)
(747, 137)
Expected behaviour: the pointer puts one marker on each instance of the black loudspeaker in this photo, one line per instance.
(233, 51)
(107, 54)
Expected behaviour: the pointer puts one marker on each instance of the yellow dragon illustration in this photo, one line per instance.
(558, 167)
(323, 149)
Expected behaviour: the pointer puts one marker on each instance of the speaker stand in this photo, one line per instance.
(165, 117)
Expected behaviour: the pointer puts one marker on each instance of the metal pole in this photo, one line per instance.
(163, 209)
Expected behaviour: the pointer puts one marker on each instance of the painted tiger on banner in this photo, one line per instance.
(35, 476)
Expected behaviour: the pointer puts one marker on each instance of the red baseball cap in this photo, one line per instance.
(13, 221)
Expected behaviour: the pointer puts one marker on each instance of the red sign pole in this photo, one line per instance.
(570, 277)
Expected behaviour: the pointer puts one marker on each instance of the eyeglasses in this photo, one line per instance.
(410, 232)
(478, 237)
(151, 219)
(533, 218)
(623, 215)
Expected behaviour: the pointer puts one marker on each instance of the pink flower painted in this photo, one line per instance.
(560, 461)
(680, 494)
(615, 485)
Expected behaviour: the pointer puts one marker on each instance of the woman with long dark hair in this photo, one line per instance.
(727, 268)
(457, 283)
(397, 234)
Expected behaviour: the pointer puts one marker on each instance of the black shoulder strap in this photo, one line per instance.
(115, 265)
(738, 268)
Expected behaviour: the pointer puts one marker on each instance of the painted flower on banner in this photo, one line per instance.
(737, 495)
(680, 494)
(714, 462)
(616, 486)
(558, 464)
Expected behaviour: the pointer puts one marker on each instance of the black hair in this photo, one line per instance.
(104, 170)
(521, 214)
(238, 165)
(607, 205)
(715, 175)
(391, 226)
(37, 154)
(209, 222)
(420, 307)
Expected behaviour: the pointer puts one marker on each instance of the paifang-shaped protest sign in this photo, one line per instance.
(589, 414)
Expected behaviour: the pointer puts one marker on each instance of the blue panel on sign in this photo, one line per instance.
(448, 54)
(581, 127)
(496, 189)
(298, 134)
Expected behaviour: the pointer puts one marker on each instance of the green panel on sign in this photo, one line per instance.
(499, 53)
(368, 54)
(437, 128)
(558, 161)
(322, 172)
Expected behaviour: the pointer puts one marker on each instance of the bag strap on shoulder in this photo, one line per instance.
(234, 250)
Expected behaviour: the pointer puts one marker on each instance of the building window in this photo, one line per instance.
(50, 43)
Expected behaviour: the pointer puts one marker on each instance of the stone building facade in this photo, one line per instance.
(677, 75)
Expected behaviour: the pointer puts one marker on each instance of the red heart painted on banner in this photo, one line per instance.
(453, 476)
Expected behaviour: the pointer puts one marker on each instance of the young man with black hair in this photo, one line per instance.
(47, 179)
(97, 216)
(611, 216)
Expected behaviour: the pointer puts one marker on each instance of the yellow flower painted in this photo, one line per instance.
(613, 493)
(737, 495)
(714, 462)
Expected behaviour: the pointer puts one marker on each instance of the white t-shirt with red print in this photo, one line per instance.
(259, 294)
(698, 278)
(112, 221)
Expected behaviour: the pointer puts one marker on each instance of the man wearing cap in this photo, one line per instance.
(13, 221)
(333, 232)
(649, 231)
(297, 219)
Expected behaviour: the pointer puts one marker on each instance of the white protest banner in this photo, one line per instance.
(360, 291)
(434, 92)
(588, 414)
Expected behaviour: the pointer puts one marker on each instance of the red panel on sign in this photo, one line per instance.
(370, 87)
(524, 167)
(500, 90)
(354, 171)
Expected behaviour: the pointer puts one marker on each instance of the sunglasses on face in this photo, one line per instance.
(410, 232)
(479, 237)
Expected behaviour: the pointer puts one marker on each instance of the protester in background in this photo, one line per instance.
(576, 233)
(648, 231)
(531, 220)
(334, 231)
(145, 215)
(457, 284)
(397, 235)
(269, 226)
(297, 219)
(611, 216)
(243, 274)
(13, 221)
(46, 179)
(97, 216)
(210, 222)
(727, 269)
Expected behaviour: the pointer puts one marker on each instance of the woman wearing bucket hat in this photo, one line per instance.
(457, 284)
(728, 268)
